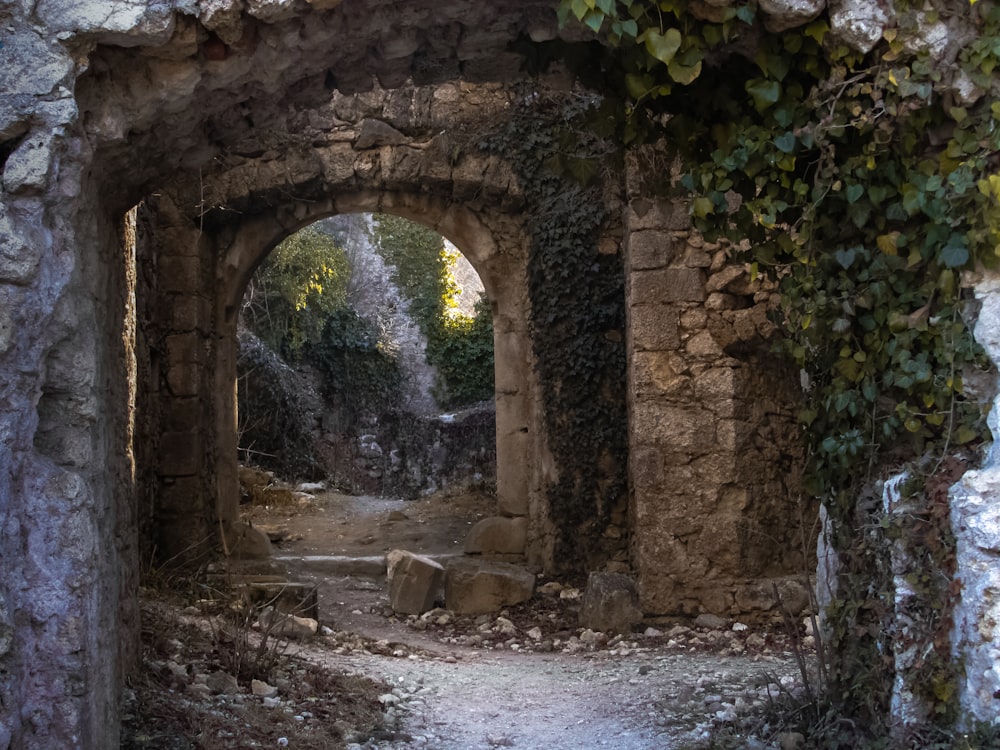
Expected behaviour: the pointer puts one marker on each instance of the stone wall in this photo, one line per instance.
(224, 110)
(715, 460)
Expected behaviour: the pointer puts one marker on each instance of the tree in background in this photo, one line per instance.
(300, 285)
(459, 346)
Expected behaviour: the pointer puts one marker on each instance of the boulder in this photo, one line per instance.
(709, 621)
(414, 582)
(476, 586)
(247, 543)
(610, 603)
(498, 536)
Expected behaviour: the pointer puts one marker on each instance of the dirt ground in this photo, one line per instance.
(526, 677)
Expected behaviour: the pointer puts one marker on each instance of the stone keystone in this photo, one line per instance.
(610, 603)
(414, 582)
(475, 586)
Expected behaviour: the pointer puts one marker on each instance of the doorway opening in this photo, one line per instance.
(366, 360)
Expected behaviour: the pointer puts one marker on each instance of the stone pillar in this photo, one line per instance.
(714, 459)
(179, 327)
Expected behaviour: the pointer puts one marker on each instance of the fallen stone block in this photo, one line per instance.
(498, 536)
(247, 543)
(287, 626)
(610, 603)
(414, 582)
(477, 586)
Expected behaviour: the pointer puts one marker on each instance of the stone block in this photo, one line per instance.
(667, 285)
(414, 582)
(178, 273)
(683, 429)
(653, 375)
(291, 598)
(610, 603)
(649, 249)
(476, 586)
(247, 543)
(498, 536)
(654, 327)
(180, 454)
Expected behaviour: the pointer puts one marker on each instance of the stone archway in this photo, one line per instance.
(220, 251)
(220, 114)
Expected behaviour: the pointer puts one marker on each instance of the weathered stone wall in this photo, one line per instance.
(102, 105)
(714, 461)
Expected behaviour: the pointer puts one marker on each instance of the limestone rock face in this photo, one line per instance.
(781, 15)
(415, 582)
(475, 587)
(975, 521)
(498, 536)
(610, 603)
(858, 23)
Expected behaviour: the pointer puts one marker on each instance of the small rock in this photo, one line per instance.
(535, 634)
(791, 740)
(739, 627)
(652, 633)
(222, 682)
(262, 689)
(271, 702)
(709, 621)
(552, 588)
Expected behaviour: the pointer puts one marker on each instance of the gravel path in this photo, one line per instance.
(650, 699)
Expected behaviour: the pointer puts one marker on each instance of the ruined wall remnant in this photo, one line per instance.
(234, 124)
(715, 460)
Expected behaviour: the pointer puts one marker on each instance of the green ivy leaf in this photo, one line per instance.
(663, 46)
(956, 253)
(785, 142)
(765, 93)
(854, 192)
(845, 257)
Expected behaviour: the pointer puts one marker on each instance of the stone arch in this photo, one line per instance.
(502, 275)
(230, 241)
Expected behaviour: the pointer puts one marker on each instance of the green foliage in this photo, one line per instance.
(459, 347)
(463, 356)
(853, 181)
(297, 304)
(302, 282)
(577, 309)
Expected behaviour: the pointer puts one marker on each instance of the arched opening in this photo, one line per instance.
(360, 337)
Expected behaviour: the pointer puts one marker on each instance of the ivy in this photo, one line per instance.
(857, 183)
(559, 146)
(863, 185)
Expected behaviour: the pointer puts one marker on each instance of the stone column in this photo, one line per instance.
(179, 331)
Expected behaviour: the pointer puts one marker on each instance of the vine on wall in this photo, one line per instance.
(577, 309)
(864, 184)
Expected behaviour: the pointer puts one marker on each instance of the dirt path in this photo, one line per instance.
(637, 694)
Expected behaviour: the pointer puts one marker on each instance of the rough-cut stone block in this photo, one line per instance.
(654, 327)
(247, 543)
(498, 536)
(610, 603)
(649, 249)
(291, 598)
(414, 582)
(476, 586)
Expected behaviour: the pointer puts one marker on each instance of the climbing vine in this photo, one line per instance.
(863, 185)
(559, 146)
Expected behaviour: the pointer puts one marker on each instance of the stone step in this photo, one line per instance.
(345, 565)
